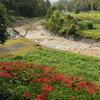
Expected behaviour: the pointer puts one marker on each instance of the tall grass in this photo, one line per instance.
(88, 68)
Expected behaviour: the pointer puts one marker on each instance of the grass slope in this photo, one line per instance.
(88, 68)
(95, 18)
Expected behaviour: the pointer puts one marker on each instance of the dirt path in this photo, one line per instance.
(41, 36)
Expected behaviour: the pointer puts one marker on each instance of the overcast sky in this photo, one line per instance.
(53, 0)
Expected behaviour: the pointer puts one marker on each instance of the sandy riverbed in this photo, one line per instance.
(44, 38)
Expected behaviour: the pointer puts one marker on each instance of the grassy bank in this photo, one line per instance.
(21, 83)
(95, 18)
(73, 64)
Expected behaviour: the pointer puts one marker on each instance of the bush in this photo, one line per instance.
(71, 29)
(63, 31)
(66, 25)
(76, 11)
(3, 24)
(36, 82)
(61, 24)
(85, 24)
(53, 23)
(49, 13)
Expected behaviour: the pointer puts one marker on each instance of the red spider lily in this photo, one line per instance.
(14, 73)
(64, 72)
(15, 78)
(37, 98)
(32, 81)
(47, 88)
(73, 98)
(28, 79)
(77, 78)
(26, 95)
(99, 94)
(44, 84)
(40, 79)
(76, 89)
(45, 78)
(5, 74)
(34, 75)
(41, 96)
(44, 94)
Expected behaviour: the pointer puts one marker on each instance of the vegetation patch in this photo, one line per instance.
(37, 82)
(84, 25)
(12, 50)
(93, 16)
(66, 25)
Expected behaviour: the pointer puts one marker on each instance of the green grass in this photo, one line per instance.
(93, 33)
(87, 68)
(95, 18)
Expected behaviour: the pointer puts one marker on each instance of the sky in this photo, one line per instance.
(53, 0)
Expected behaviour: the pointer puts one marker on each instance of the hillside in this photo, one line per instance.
(49, 52)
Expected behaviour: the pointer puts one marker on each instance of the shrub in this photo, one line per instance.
(85, 24)
(71, 29)
(66, 24)
(61, 24)
(76, 11)
(53, 23)
(69, 17)
(3, 24)
(36, 82)
(49, 13)
(63, 31)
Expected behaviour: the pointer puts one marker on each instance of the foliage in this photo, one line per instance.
(48, 4)
(93, 21)
(59, 5)
(76, 11)
(3, 24)
(83, 5)
(85, 24)
(37, 82)
(49, 13)
(95, 4)
(27, 8)
(65, 24)
(53, 21)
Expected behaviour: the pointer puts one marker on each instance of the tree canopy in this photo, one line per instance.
(27, 8)
(3, 24)
(83, 5)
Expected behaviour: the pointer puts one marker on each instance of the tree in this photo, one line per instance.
(28, 26)
(60, 6)
(3, 24)
(27, 8)
(95, 4)
(83, 5)
(49, 13)
(76, 11)
(48, 3)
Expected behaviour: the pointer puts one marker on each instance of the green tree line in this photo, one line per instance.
(71, 5)
(27, 8)
(83, 5)
(3, 24)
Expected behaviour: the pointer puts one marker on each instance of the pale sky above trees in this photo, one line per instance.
(53, 0)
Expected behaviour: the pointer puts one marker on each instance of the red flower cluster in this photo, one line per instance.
(43, 78)
(26, 95)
